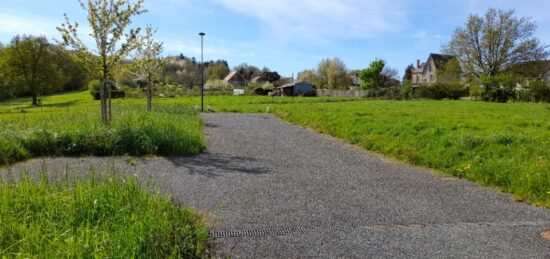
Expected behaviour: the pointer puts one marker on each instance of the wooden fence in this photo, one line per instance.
(345, 93)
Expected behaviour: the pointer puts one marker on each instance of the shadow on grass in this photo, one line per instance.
(58, 105)
(214, 165)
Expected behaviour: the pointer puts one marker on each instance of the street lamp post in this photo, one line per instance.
(202, 34)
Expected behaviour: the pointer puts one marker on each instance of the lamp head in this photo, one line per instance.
(202, 34)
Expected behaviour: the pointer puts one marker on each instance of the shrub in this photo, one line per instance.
(499, 88)
(406, 90)
(11, 151)
(219, 85)
(95, 217)
(539, 91)
(93, 86)
(476, 92)
(439, 91)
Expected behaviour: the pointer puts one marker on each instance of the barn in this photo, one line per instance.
(301, 88)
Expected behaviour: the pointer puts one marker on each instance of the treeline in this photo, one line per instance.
(176, 70)
(32, 66)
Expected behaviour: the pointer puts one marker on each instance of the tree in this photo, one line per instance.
(450, 72)
(182, 71)
(489, 45)
(336, 74)
(309, 76)
(216, 71)
(75, 72)
(148, 61)
(408, 73)
(372, 75)
(389, 77)
(29, 66)
(248, 71)
(109, 20)
(4, 91)
(270, 76)
(330, 73)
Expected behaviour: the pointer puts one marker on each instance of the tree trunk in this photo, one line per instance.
(34, 99)
(102, 97)
(109, 102)
(149, 95)
(102, 93)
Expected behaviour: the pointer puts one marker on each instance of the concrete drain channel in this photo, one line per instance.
(344, 229)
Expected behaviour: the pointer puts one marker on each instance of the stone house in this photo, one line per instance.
(427, 73)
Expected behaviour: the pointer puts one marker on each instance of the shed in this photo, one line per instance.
(297, 88)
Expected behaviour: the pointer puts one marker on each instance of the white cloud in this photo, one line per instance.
(12, 24)
(176, 46)
(323, 19)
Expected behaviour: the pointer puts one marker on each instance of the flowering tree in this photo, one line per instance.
(108, 20)
(149, 64)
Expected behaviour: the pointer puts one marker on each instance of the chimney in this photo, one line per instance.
(418, 63)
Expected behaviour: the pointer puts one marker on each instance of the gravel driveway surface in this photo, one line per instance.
(278, 190)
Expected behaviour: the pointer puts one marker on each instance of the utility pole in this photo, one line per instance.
(202, 34)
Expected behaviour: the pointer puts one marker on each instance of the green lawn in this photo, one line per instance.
(98, 217)
(502, 145)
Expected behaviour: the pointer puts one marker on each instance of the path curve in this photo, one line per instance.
(279, 190)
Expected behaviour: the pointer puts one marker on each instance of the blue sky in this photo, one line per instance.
(288, 35)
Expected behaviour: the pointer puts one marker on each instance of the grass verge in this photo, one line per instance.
(167, 130)
(97, 217)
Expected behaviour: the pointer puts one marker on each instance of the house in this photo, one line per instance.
(296, 89)
(236, 79)
(533, 69)
(427, 73)
(258, 79)
(356, 81)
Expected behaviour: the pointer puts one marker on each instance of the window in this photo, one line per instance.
(431, 78)
(430, 67)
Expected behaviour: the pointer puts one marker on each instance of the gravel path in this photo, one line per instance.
(278, 190)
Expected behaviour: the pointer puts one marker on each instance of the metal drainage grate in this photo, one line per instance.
(332, 229)
(280, 231)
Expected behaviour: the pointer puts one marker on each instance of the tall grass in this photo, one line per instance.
(98, 217)
(174, 130)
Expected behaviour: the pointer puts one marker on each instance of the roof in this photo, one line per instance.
(532, 68)
(295, 83)
(232, 75)
(257, 79)
(440, 60)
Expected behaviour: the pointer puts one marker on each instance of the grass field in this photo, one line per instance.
(502, 145)
(69, 125)
(98, 217)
